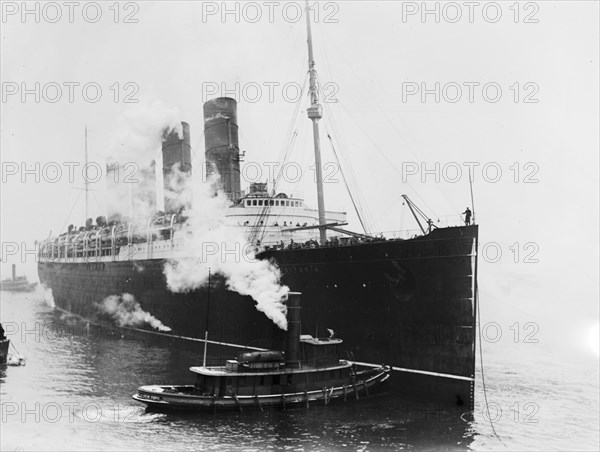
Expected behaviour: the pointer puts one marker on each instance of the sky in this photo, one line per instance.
(411, 101)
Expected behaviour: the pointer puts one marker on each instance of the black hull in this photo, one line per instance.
(405, 303)
(4, 344)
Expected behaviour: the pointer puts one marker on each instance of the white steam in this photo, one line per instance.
(126, 311)
(225, 250)
(135, 162)
(213, 244)
(44, 294)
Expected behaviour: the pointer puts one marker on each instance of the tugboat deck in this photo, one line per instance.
(223, 371)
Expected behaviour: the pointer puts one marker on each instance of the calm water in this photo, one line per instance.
(74, 394)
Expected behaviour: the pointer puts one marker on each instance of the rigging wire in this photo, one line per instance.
(388, 160)
(350, 180)
(387, 118)
(349, 176)
(291, 135)
(15, 348)
(472, 200)
(96, 199)
(367, 91)
(259, 229)
(357, 208)
(392, 204)
(69, 215)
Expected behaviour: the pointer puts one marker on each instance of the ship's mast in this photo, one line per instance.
(207, 317)
(87, 189)
(315, 112)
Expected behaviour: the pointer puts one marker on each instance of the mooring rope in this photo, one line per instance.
(487, 407)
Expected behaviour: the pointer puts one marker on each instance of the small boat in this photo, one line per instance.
(308, 371)
(15, 360)
(17, 283)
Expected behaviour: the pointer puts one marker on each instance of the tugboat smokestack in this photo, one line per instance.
(292, 350)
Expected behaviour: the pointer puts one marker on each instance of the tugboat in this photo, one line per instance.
(17, 283)
(308, 371)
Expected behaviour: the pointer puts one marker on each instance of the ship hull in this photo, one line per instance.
(404, 303)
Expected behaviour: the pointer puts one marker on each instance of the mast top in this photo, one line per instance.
(315, 111)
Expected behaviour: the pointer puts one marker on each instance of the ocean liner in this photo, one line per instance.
(408, 303)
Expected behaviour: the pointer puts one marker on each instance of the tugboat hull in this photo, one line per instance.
(174, 398)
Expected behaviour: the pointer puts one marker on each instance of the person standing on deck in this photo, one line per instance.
(467, 214)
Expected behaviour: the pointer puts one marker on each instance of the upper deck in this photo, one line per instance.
(168, 236)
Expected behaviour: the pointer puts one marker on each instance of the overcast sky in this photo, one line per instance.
(374, 59)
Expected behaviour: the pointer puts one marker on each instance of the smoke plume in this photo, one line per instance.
(135, 161)
(126, 311)
(224, 249)
(214, 243)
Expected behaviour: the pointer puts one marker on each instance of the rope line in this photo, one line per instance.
(487, 407)
(69, 216)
